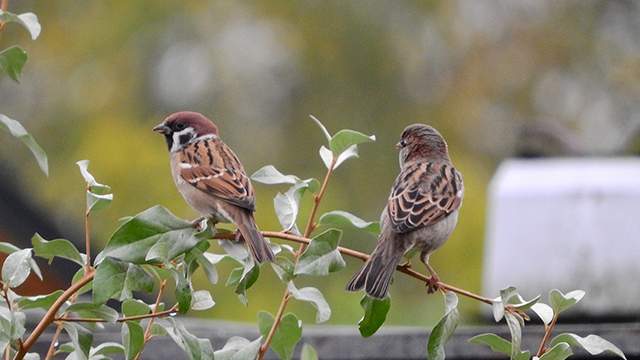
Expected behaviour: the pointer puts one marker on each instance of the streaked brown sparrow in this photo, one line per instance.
(211, 178)
(421, 213)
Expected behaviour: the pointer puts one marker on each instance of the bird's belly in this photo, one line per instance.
(430, 238)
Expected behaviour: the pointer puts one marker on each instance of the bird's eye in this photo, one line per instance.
(179, 126)
(403, 143)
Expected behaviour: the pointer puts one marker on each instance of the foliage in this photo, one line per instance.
(156, 250)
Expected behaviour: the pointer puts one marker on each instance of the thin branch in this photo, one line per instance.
(364, 257)
(547, 334)
(49, 317)
(122, 319)
(52, 347)
(147, 332)
(87, 241)
(311, 224)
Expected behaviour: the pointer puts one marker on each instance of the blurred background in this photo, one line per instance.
(498, 78)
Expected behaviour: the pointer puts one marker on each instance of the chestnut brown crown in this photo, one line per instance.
(420, 141)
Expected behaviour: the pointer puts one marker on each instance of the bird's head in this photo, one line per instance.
(182, 127)
(421, 142)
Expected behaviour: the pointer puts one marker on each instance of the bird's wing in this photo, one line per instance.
(424, 193)
(211, 166)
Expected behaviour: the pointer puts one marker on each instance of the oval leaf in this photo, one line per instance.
(16, 268)
(28, 20)
(560, 351)
(286, 336)
(375, 314)
(444, 328)
(18, 131)
(321, 257)
(59, 247)
(560, 302)
(495, 342)
(270, 175)
(342, 218)
(593, 344)
(12, 61)
(313, 296)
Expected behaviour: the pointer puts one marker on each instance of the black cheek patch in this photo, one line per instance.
(185, 138)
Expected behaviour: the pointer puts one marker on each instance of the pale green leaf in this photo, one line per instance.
(593, 344)
(443, 330)
(313, 296)
(18, 131)
(375, 314)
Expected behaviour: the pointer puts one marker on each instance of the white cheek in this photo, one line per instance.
(176, 138)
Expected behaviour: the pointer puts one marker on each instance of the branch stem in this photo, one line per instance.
(49, 317)
(152, 315)
(311, 224)
(547, 334)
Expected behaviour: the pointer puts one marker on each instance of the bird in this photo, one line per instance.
(210, 177)
(420, 214)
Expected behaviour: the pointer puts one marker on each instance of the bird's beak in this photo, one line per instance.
(162, 129)
(398, 146)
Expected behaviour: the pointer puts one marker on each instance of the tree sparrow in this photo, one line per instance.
(421, 213)
(211, 178)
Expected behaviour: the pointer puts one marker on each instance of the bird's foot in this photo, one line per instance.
(405, 265)
(200, 223)
(433, 284)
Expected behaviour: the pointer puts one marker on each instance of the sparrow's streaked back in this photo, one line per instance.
(211, 178)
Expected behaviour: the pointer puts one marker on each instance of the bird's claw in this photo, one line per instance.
(433, 284)
(200, 223)
(405, 266)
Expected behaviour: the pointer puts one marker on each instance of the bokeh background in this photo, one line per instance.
(497, 78)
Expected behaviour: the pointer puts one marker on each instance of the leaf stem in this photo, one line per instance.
(49, 317)
(547, 334)
(311, 224)
(87, 238)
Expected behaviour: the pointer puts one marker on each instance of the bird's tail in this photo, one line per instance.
(375, 275)
(256, 243)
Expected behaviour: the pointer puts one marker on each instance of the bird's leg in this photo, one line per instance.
(433, 281)
(405, 265)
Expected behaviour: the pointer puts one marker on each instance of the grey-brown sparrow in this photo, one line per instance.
(421, 213)
(211, 178)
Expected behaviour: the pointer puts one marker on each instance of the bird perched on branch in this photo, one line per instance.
(421, 213)
(211, 178)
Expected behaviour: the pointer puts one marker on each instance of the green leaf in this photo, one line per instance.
(107, 348)
(28, 20)
(91, 310)
(495, 342)
(138, 234)
(184, 293)
(560, 302)
(8, 248)
(132, 339)
(11, 325)
(135, 307)
(286, 336)
(158, 330)
(39, 301)
(508, 295)
(270, 175)
(593, 344)
(560, 351)
(243, 278)
(195, 348)
(77, 277)
(287, 205)
(350, 152)
(322, 127)
(18, 131)
(16, 268)
(238, 348)
(544, 312)
(342, 218)
(99, 195)
(12, 61)
(117, 279)
(327, 156)
(313, 296)
(81, 339)
(284, 268)
(375, 314)
(308, 353)
(202, 300)
(59, 247)
(208, 267)
(444, 328)
(321, 257)
(514, 322)
(344, 139)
